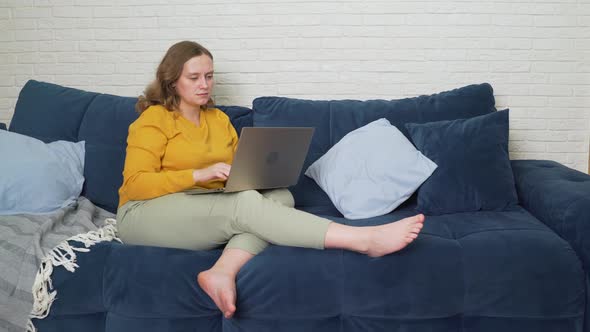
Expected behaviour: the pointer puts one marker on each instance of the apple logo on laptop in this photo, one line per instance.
(272, 157)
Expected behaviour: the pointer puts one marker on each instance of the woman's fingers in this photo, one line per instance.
(220, 171)
(225, 168)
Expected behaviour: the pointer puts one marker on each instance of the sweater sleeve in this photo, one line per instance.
(143, 177)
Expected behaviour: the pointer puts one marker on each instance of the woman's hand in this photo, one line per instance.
(219, 171)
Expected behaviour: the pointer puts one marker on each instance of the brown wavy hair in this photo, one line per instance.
(162, 90)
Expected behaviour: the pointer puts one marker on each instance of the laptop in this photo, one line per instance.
(266, 158)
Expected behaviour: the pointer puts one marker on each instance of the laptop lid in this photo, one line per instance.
(269, 157)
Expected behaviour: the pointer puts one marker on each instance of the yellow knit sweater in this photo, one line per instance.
(163, 149)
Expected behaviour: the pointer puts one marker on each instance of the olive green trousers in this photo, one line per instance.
(247, 220)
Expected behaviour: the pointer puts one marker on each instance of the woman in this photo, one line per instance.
(181, 141)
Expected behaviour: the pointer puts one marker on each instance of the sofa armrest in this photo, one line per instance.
(2, 126)
(560, 198)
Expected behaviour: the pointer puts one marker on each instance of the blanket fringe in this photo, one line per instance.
(64, 255)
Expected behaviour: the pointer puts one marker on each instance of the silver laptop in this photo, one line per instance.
(266, 158)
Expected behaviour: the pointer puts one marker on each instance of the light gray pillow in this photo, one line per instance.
(36, 177)
(371, 170)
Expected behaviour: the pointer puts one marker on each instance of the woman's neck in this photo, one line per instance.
(191, 114)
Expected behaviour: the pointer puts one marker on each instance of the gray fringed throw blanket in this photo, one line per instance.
(31, 245)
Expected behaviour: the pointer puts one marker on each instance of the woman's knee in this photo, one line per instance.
(248, 196)
(282, 196)
(249, 204)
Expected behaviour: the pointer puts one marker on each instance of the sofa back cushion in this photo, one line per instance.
(104, 128)
(471, 154)
(51, 112)
(334, 119)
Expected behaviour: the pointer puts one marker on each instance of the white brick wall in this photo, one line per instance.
(536, 54)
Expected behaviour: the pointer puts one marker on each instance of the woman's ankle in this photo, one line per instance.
(364, 239)
(231, 261)
(348, 237)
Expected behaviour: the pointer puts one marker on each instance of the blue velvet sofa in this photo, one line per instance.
(523, 270)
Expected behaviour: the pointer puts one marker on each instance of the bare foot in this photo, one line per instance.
(392, 237)
(221, 288)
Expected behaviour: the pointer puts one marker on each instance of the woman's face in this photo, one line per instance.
(195, 83)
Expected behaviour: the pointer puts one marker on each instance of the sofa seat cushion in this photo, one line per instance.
(284, 283)
(467, 268)
(510, 263)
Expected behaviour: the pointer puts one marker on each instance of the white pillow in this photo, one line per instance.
(36, 177)
(371, 170)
